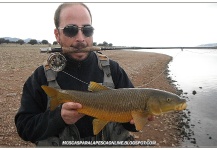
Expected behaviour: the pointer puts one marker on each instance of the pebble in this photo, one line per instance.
(11, 94)
(194, 92)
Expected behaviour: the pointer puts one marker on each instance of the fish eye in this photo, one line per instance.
(168, 99)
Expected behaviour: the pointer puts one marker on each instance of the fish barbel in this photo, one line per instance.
(117, 105)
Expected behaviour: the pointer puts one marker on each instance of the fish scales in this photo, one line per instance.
(117, 100)
(115, 105)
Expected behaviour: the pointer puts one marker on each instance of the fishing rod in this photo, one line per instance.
(57, 60)
(97, 48)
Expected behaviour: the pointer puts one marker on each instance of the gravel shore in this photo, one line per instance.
(148, 70)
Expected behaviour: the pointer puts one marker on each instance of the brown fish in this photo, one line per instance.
(117, 105)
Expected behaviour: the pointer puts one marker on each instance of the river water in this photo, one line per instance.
(195, 72)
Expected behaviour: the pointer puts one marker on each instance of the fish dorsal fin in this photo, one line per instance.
(98, 125)
(140, 118)
(95, 87)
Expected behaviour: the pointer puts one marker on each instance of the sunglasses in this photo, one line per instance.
(72, 30)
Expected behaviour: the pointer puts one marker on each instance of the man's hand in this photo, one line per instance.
(69, 112)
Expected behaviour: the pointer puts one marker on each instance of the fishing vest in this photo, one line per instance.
(113, 131)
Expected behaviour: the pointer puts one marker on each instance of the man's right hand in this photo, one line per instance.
(69, 112)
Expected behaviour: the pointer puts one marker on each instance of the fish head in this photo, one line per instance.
(163, 102)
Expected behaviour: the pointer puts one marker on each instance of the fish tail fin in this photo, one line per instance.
(52, 93)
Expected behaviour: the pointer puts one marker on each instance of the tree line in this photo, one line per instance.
(102, 44)
(21, 42)
(34, 41)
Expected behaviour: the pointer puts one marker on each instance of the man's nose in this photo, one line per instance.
(80, 36)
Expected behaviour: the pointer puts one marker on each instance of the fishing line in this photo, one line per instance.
(144, 85)
(75, 78)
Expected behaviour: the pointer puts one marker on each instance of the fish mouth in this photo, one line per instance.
(181, 106)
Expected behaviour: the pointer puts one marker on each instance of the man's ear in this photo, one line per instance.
(57, 35)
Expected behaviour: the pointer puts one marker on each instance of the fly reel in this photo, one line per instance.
(56, 61)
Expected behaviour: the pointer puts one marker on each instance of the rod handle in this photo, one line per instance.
(74, 50)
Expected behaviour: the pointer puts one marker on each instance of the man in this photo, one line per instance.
(38, 124)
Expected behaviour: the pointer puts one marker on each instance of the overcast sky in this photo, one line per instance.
(129, 24)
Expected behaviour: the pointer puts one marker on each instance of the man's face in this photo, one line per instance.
(77, 15)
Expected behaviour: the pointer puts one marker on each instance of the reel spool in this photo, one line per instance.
(56, 61)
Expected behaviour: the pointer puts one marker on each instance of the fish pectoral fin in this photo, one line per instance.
(140, 118)
(98, 125)
(95, 87)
